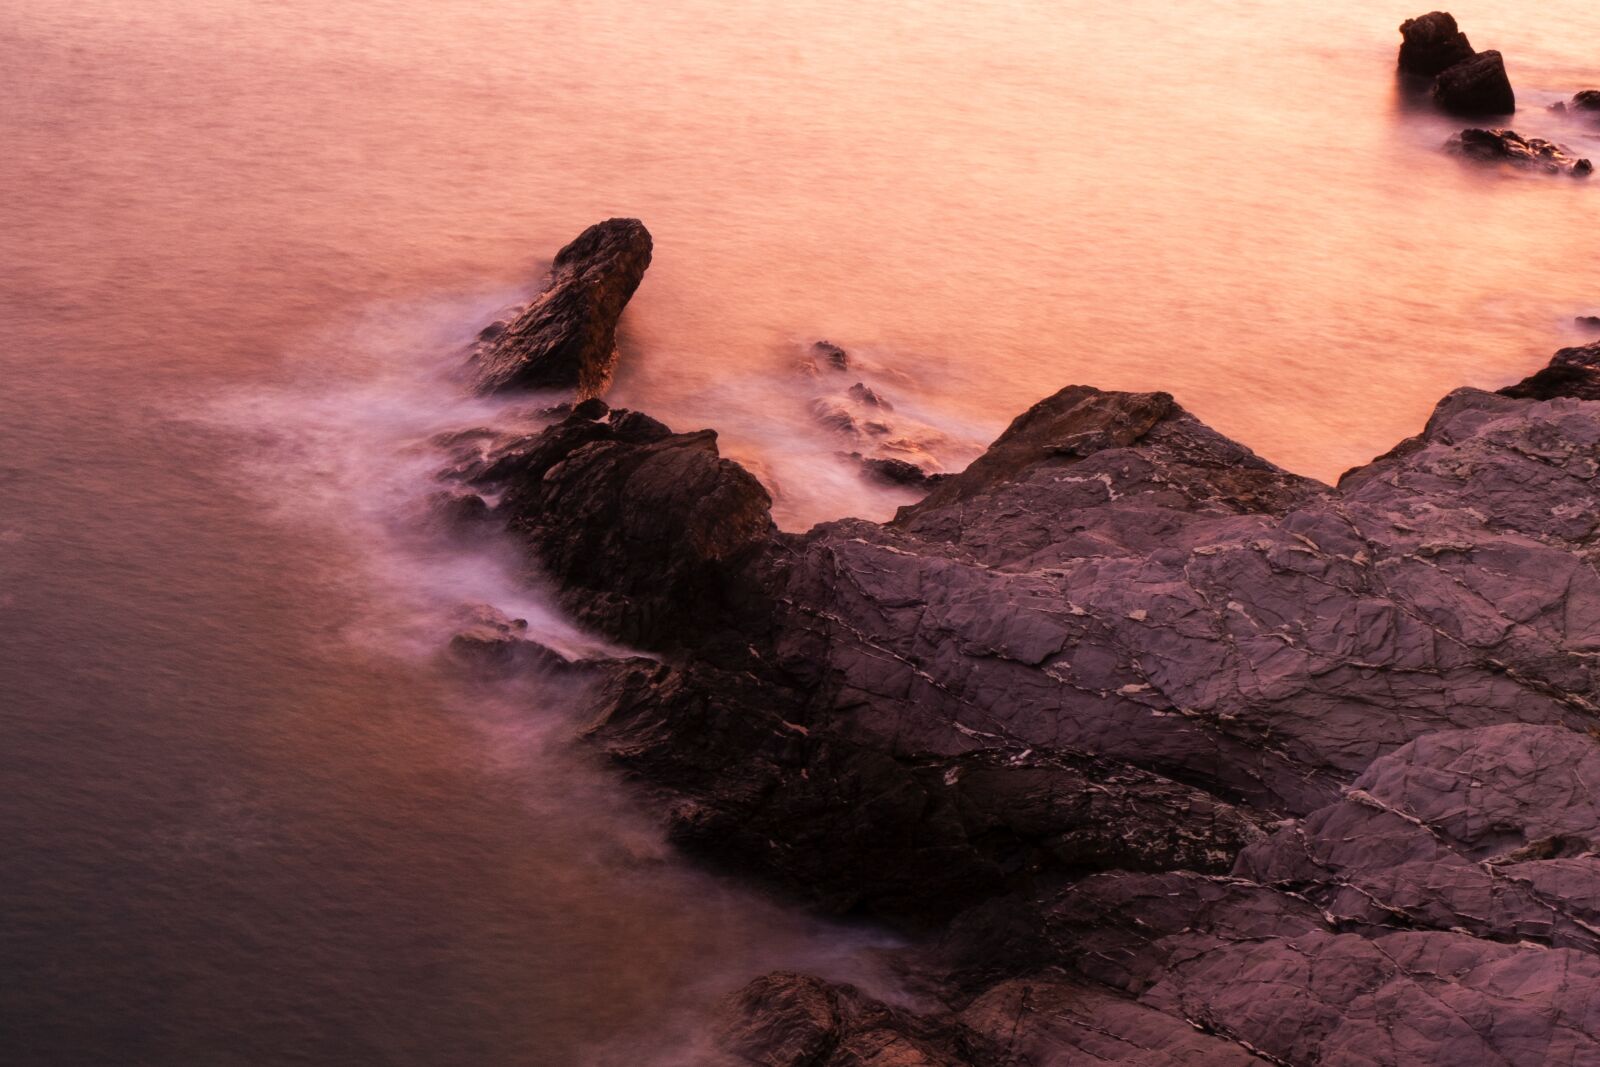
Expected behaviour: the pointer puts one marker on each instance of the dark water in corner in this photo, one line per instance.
(244, 816)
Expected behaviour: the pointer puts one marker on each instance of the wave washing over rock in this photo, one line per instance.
(1172, 756)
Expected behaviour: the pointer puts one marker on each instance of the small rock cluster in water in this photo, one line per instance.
(1467, 82)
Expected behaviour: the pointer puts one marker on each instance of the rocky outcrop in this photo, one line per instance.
(492, 644)
(1432, 43)
(567, 337)
(1476, 86)
(1189, 759)
(1573, 373)
(1587, 101)
(1508, 146)
(1464, 82)
(646, 532)
(891, 471)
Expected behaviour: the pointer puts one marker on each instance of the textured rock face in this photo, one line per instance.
(1573, 373)
(1431, 44)
(1490, 831)
(1476, 86)
(1508, 146)
(645, 531)
(567, 338)
(786, 1020)
(1193, 759)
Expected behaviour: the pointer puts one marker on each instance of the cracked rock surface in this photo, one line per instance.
(1181, 758)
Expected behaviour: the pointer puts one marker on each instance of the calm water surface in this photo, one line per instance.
(245, 816)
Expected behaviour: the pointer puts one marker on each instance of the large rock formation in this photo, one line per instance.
(1465, 82)
(1431, 44)
(567, 337)
(1193, 760)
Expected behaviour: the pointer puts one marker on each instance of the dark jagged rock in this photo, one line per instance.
(834, 416)
(1508, 146)
(862, 394)
(1573, 373)
(1207, 762)
(1587, 100)
(1476, 86)
(794, 1020)
(859, 830)
(892, 471)
(830, 355)
(567, 338)
(492, 644)
(646, 532)
(1431, 44)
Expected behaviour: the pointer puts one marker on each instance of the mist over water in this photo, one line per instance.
(247, 812)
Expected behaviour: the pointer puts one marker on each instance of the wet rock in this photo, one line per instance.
(1476, 86)
(856, 829)
(492, 644)
(1508, 146)
(834, 416)
(864, 395)
(1047, 1019)
(1587, 100)
(566, 338)
(646, 532)
(1588, 322)
(1197, 759)
(461, 510)
(1431, 44)
(1486, 831)
(892, 471)
(793, 1020)
(830, 356)
(1573, 373)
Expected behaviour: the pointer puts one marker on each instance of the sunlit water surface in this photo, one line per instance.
(245, 815)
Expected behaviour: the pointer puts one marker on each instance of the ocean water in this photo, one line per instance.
(247, 814)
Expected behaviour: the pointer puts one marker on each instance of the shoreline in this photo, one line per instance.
(1098, 717)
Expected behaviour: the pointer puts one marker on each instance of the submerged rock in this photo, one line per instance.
(566, 338)
(1476, 86)
(492, 644)
(1508, 146)
(1431, 44)
(897, 472)
(830, 356)
(861, 393)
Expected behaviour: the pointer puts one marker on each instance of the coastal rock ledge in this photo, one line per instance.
(1172, 756)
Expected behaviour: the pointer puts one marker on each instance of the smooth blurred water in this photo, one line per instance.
(244, 816)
